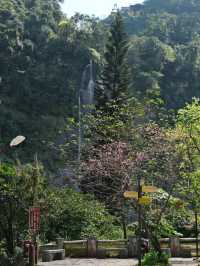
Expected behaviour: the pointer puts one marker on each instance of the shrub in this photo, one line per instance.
(153, 258)
(16, 260)
(73, 215)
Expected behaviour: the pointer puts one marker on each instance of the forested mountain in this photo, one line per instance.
(165, 48)
(42, 57)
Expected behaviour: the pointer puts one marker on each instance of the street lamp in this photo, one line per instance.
(4, 197)
(17, 141)
(14, 142)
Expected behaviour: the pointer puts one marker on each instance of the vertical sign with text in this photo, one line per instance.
(34, 219)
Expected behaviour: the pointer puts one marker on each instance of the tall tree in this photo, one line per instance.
(114, 80)
(106, 174)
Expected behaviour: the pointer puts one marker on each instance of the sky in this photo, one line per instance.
(98, 8)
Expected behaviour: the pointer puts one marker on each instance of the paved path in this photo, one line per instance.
(111, 262)
(91, 262)
(183, 262)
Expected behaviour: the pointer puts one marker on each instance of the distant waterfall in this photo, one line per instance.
(85, 97)
(90, 93)
(87, 91)
(91, 85)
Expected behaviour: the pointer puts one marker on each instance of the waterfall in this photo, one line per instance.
(91, 85)
(85, 97)
(87, 90)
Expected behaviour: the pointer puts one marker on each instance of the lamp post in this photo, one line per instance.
(139, 224)
(13, 143)
(9, 198)
(196, 234)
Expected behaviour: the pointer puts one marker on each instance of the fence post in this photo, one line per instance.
(132, 247)
(92, 248)
(175, 246)
(60, 243)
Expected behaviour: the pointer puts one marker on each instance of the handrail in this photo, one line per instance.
(75, 242)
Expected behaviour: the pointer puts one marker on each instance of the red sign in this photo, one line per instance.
(34, 219)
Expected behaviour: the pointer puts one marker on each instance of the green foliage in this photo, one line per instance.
(64, 212)
(176, 25)
(154, 258)
(20, 188)
(189, 118)
(73, 215)
(148, 58)
(42, 56)
(114, 80)
(17, 260)
(100, 127)
(95, 55)
(188, 127)
(173, 217)
(7, 170)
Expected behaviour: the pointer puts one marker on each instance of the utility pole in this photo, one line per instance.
(139, 224)
(196, 233)
(79, 127)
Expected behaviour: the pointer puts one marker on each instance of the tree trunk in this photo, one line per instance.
(153, 238)
(10, 238)
(156, 243)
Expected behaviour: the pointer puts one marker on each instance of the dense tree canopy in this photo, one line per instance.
(175, 24)
(41, 68)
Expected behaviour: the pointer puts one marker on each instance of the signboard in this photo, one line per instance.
(34, 219)
(144, 200)
(149, 189)
(131, 194)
